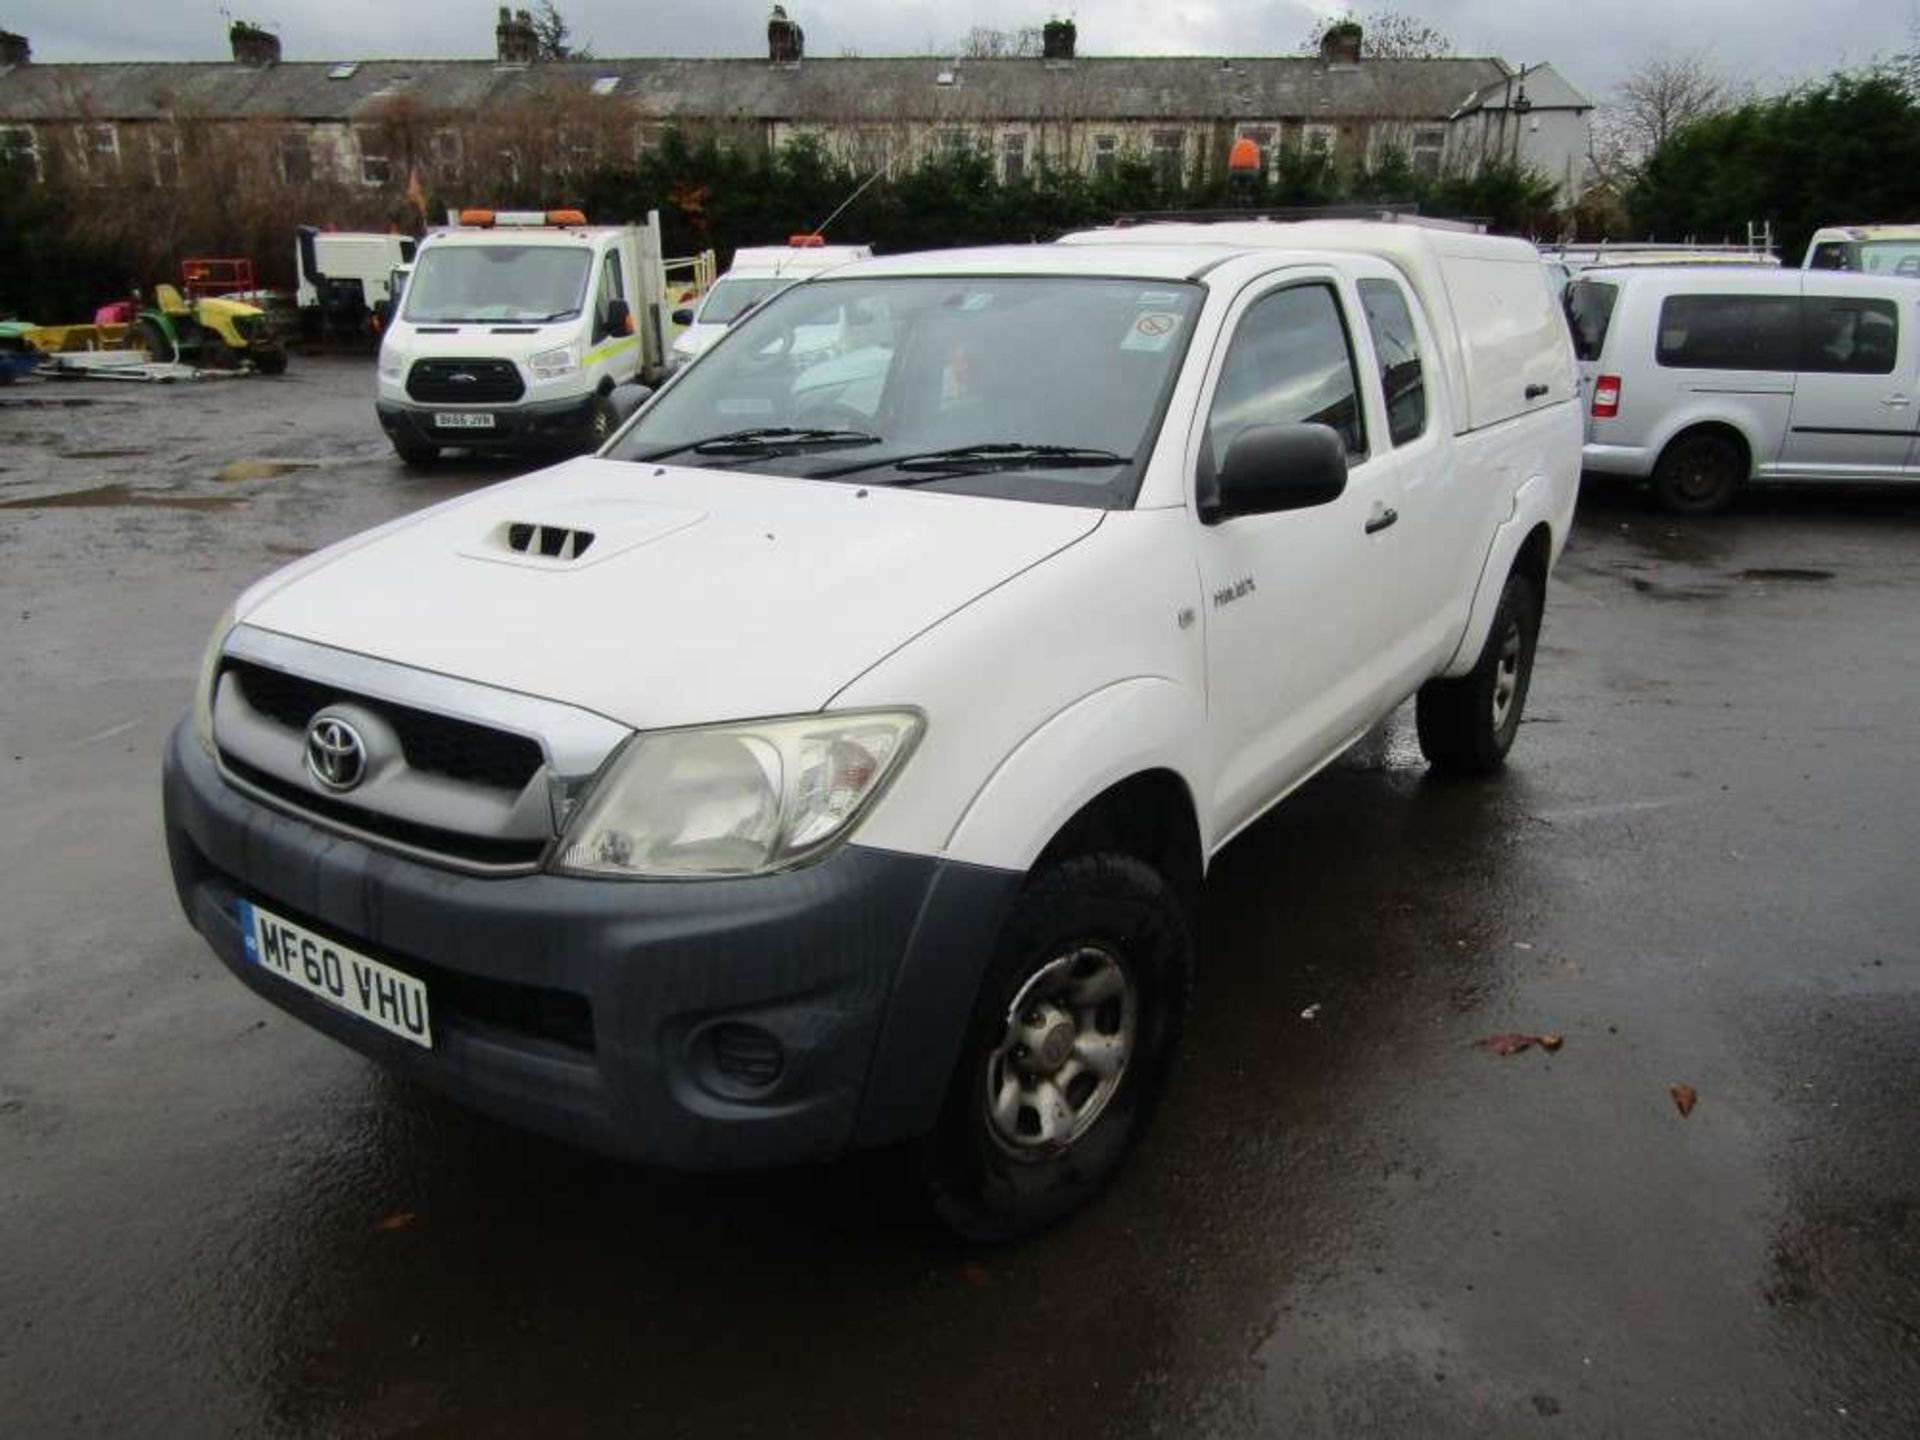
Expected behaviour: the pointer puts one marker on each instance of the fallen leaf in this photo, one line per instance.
(1685, 1097)
(1504, 1044)
(399, 1220)
(1551, 1043)
(1310, 1012)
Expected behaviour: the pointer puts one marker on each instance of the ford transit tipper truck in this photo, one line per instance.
(514, 330)
(835, 759)
(758, 272)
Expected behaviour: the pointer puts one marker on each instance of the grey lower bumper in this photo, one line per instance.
(548, 424)
(596, 1011)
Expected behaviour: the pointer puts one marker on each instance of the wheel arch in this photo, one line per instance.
(1725, 429)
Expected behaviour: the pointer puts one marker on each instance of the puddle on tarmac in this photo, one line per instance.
(236, 470)
(1787, 572)
(105, 496)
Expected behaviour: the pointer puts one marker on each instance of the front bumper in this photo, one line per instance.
(591, 1010)
(539, 425)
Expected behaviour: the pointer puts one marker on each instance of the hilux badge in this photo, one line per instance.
(336, 755)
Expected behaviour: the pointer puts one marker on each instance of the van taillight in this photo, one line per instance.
(1606, 397)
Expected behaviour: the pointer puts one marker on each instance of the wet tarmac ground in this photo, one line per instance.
(1702, 868)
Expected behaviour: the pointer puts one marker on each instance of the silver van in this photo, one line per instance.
(1699, 379)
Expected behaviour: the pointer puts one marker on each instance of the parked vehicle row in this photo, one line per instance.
(835, 759)
(1699, 380)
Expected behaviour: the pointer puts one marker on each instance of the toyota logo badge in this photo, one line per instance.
(336, 755)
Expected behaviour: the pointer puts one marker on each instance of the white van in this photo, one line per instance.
(1698, 380)
(1870, 249)
(835, 759)
(514, 330)
(758, 272)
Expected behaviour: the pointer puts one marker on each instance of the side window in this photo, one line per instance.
(1289, 363)
(1396, 347)
(1845, 335)
(611, 289)
(1729, 332)
(1589, 305)
(1832, 255)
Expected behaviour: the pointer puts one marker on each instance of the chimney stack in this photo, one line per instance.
(252, 45)
(517, 42)
(1056, 40)
(14, 49)
(786, 41)
(1340, 44)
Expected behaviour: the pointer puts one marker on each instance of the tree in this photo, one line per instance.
(1847, 148)
(1386, 35)
(551, 30)
(983, 42)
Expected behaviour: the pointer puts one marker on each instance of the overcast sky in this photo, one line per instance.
(1594, 43)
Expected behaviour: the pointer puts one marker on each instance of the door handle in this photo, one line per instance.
(1897, 402)
(1534, 392)
(1381, 519)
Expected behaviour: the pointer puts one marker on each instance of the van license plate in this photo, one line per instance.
(395, 1002)
(462, 420)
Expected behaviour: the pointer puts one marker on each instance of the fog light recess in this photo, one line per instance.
(743, 1057)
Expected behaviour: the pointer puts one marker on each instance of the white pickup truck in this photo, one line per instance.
(835, 759)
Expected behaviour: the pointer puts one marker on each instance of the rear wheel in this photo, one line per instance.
(1468, 724)
(1699, 473)
(148, 336)
(1067, 1050)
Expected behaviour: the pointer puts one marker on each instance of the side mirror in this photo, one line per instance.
(619, 318)
(626, 399)
(683, 316)
(1278, 467)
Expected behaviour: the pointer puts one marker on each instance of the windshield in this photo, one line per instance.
(1891, 257)
(476, 283)
(729, 297)
(1041, 388)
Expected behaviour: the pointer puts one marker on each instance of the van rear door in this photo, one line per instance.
(1854, 402)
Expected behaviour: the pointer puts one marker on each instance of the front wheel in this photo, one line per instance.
(415, 455)
(270, 360)
(602, 421)
(1068, 1048)
(1467, 724)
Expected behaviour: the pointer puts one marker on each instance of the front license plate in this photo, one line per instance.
(395, 1002)
(462, 420)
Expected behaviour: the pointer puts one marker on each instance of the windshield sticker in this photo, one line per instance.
(979, 300)
(1152, 330)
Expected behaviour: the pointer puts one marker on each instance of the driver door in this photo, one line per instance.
(1296, 603)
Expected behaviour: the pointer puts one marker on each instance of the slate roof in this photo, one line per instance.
(825, 91)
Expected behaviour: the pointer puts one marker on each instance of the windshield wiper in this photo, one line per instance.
(759, 438)
(989, 455)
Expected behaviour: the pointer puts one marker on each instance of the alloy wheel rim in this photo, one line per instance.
(1068, 1041)
(1506, 675)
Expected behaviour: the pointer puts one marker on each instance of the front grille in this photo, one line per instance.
(465, 382)
(439, 744)
(473, 849)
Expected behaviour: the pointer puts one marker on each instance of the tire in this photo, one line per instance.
(602, 421)
(1468, 724)
(270, 360)
(147, 336)
(414, 455)
(1108, 931)
(1699, 473)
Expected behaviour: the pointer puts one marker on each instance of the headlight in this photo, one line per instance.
(203, 687)
(390, 367)
(552, 364)
(735, 799)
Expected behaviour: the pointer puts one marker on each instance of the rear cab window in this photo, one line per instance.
(1396, 346)
(1589, 312)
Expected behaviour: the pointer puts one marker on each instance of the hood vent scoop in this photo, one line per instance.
(549, 542)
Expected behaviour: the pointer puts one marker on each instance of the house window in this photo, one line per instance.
(1169, 157)
(1264, 136)
(646, 139)
(296, 158)
(1429, 145)
(955, 141)
(1106, 155)
(872, 151)
(163, 148)
(99, 150)
(376, 168)
(19, 152)
(1013, 159)
(446, 150)
(1318, 139)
